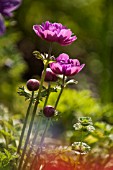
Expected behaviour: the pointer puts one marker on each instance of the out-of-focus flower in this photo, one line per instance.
(49, 111)
(50, 76)
(33, 84)
(80, 147)
(66, 66)
(6, 9)
(55, 32)
(2, 26)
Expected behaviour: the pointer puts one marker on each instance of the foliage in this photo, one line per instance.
(97, 52)
(9, 132)
(75, 103)
(83, 104)
(100, 140)
(62, 157)
(11, 68)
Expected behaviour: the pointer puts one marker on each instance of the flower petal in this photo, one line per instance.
(65, 33)
(68, 41)
(49, 35)
(76, 69)
(56, 68)
(37, 30)
(66, 69)
(7, 6)
(76, 62)
(54, 32)
(62, 58)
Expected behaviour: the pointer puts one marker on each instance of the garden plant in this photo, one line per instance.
(31, 141)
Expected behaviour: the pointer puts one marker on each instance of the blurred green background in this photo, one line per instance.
(90, 20)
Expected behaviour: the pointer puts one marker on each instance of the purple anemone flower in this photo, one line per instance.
(6, 9)
(66, 66)
(54, 32)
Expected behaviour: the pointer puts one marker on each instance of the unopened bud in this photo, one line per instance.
(49, 111)
(50, 76)
(33, 84)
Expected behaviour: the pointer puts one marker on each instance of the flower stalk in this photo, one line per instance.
(35, 109)
(41, 143)
(25, 123)
(37, 130)
(52, 32)
(47, 126)
(33, 142)
(62, 88)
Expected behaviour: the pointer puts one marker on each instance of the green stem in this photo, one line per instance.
(25, 123)
(47, 125)
(62, 88)
(48, 93)
(34, 110)
(43, 136)
(50, 50)
(81, 141)
(32, 119)
(33, 142)
(41, 143)
(38, 127)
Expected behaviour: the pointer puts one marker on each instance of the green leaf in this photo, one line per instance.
(6, 134)
(8, 154)
(38, 55)
(72, 81)
(23, 92)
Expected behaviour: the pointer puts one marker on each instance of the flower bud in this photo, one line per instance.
(49, 111)
(32, 84)
(50, 76)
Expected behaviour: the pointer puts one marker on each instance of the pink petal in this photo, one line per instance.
(56, 68)
(76, 69)
(68, 71)
(68, 41)
(50, 36)
(37, 30)
(62, 57)
(76, 62)
(66, 33)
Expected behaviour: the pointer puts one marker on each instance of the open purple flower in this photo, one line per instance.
(6, 9)
(66, 66)
(54, 32)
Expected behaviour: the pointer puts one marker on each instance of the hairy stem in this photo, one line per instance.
(33, 142)
(25, 123)
(47, 126)
(37, 130)
(34, 110)
(62, 88)
(41, 143)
